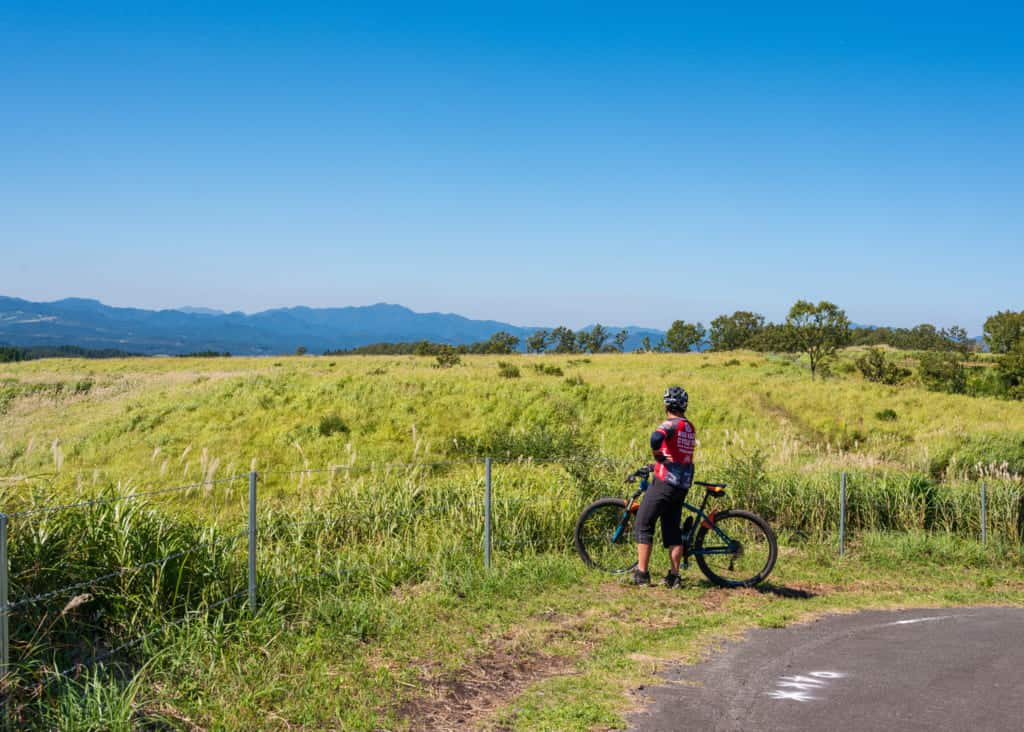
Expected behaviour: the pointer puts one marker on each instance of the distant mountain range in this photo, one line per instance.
(91, 324)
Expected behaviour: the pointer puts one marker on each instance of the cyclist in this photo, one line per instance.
(673, 443)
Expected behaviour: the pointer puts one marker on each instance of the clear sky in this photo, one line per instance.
(535, 163)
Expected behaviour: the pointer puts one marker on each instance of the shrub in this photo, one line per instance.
(508, 370)
(547, 369)
(732, 362)
(332, 424)
(943, 371)
(887, 415)
(874, 367)
(447, 357)
(575, 380)
(1011, 372)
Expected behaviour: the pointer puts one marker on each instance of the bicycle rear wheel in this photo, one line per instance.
(604, 536)
(743, 559)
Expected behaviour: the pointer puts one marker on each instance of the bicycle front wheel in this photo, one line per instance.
(742, 555)
(604, 536)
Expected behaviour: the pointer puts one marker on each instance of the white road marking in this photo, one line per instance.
(923, 620)
(791, 695)
(813, 681)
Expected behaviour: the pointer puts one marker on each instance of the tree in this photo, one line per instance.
(582, 341)
(817, 330)
(425, 348)
(564, 340)
(874, 366)
(955, 338)
(538, 342)
(773, 338)
(943, 371)
(1004, 330)
(683, 336)
(645, 345)
(300, 351)
(620, 340)
(501, 343)
(730, 332)
(1011, 371)
(597, 337)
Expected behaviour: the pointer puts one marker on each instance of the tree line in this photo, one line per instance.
(944, 359)
(501, 343)
(11, 354)
(816, 330)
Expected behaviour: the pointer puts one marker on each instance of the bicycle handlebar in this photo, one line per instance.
(643, 473)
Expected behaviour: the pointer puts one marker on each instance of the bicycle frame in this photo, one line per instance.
(703, 518)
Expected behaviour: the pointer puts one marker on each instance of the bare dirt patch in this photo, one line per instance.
(478, 690)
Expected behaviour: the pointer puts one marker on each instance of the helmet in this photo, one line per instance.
(676, 399)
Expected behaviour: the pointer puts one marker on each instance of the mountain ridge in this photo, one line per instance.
(90, 323)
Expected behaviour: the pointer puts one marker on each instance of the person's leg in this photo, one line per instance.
(671, 534)
(643, 558)
(675, 553)
(646, 515)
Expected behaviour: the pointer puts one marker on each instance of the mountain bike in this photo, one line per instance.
(733, 548)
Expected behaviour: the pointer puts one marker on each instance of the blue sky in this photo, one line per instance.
(535, 163)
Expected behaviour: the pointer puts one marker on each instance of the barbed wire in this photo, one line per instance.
(125, 497)
(304, 471)
(35, 599)
(371, 466)
(498, 460)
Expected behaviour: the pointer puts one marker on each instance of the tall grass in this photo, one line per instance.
(352, 538)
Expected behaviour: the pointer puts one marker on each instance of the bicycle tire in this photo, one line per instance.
(603, 540)
(756, 532)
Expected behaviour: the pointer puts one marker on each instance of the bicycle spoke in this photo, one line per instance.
(605, 537)
(744, 558)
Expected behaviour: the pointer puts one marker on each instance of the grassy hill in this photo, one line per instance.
(375, 609)
(133, 419)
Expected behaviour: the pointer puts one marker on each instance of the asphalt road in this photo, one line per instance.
(936, 670)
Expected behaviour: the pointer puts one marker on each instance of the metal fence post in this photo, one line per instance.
(5, 641)
(842, 514)
(252, 541)
(487, 513)
(984, 515)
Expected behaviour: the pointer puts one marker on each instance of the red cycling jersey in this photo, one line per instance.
(673, 442)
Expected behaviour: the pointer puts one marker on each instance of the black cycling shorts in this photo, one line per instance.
(664, 502)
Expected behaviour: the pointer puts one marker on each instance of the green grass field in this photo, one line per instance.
(375, 610)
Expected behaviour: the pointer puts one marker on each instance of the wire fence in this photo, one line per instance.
(511, 510)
